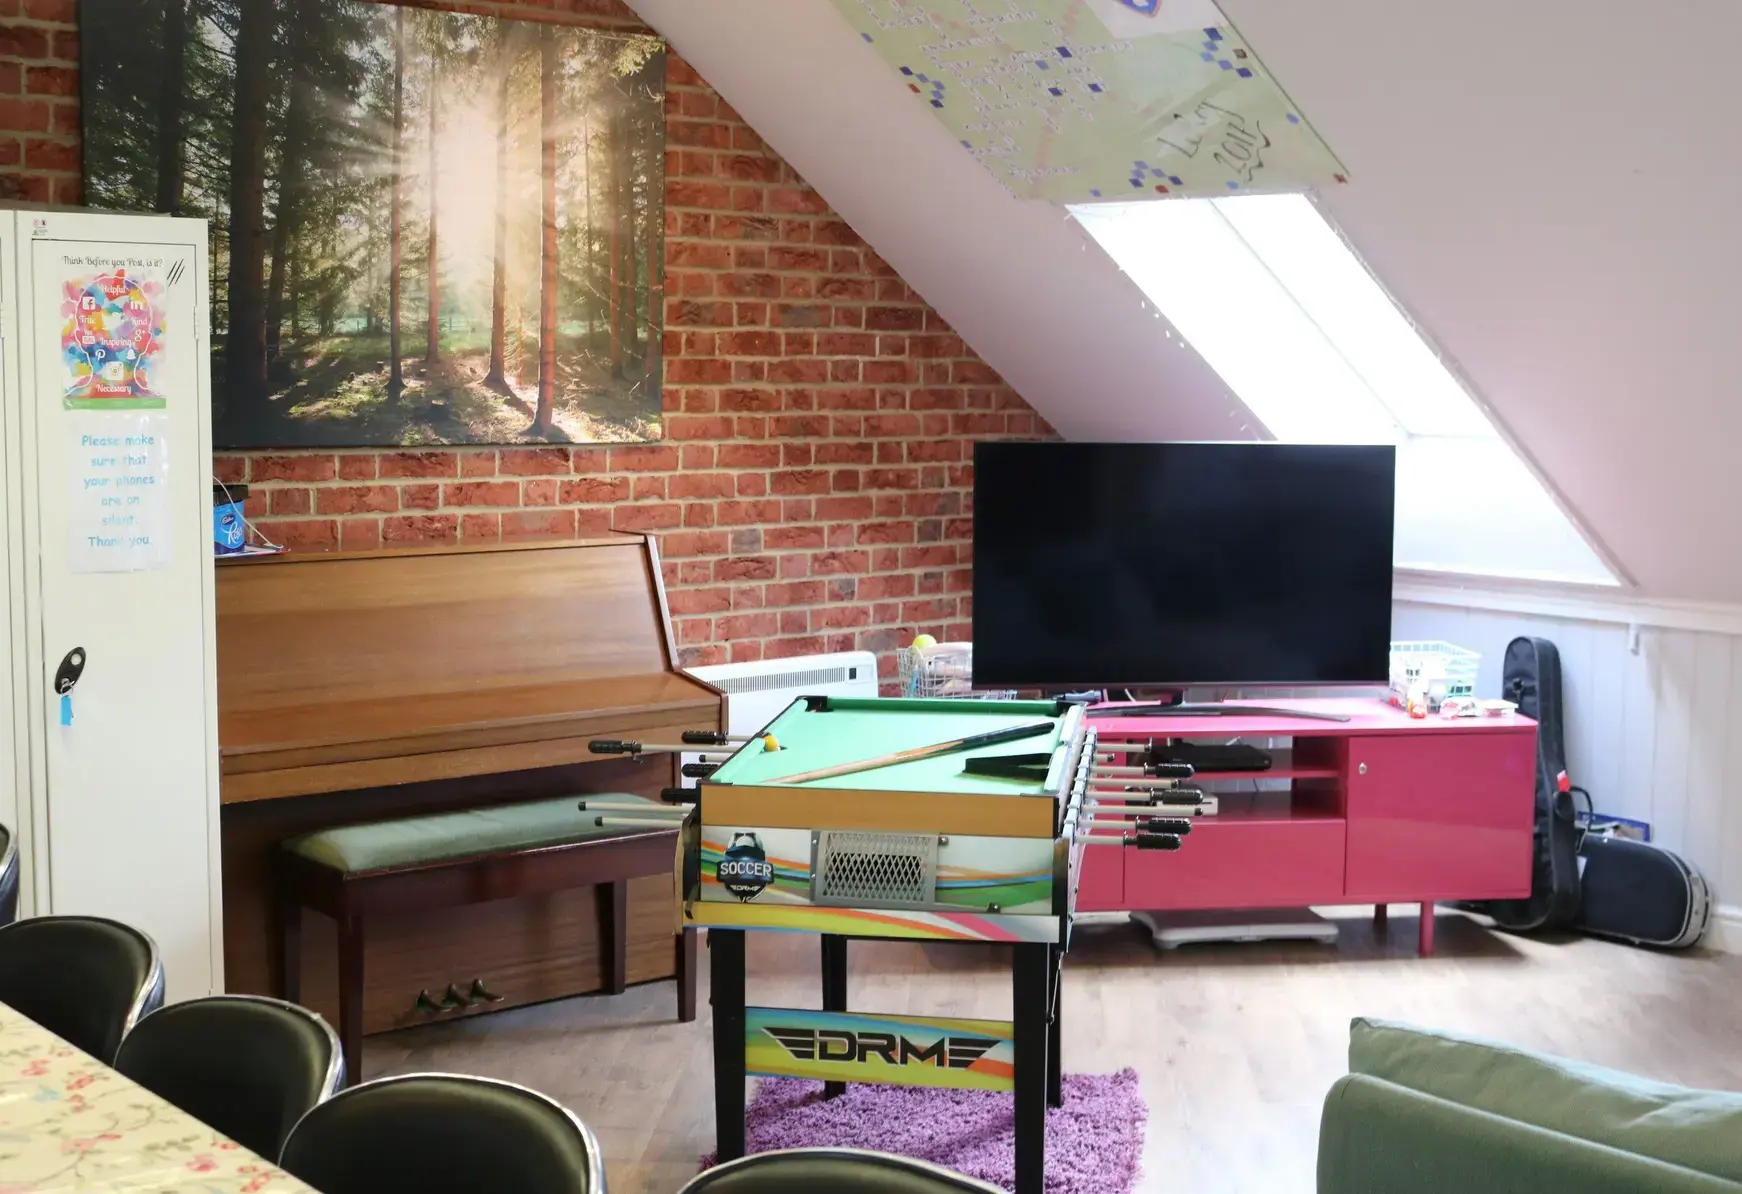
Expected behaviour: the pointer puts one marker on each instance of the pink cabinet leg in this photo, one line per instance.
(1427, 928)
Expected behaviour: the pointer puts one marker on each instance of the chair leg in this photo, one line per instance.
(834, 962)
(686, 976)
(614, 934)
(351, 996)
(289, 950)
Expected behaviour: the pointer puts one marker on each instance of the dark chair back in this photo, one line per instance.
(86, 979)
(245, 1065)
(443, 1134)
(8, 876)
(837, 1170)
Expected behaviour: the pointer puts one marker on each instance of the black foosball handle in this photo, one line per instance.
(704, 738)
(1171, 770)
(699, 770)
(1157, 841)
(614, 746)
(1177, 826)
(678, 795)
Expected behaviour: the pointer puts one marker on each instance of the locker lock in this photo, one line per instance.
(71, 668)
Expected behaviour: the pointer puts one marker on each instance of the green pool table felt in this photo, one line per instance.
(862, 728)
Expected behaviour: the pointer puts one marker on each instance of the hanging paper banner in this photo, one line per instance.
(1082, 100)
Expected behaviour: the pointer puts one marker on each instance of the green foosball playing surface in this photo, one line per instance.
(817, 734)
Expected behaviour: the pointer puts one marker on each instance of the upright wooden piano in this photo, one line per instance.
(362, 686)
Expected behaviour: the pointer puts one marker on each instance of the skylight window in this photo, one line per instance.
(1272, 297)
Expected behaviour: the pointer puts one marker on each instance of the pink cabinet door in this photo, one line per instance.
(1101, 881)
(1441, 815)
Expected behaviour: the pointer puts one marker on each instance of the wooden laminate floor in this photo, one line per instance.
(1236, 1044)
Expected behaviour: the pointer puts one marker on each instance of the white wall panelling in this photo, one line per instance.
(1653, 718)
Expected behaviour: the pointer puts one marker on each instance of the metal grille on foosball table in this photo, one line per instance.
(876, 869)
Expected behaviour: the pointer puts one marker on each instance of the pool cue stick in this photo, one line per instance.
(914, 754)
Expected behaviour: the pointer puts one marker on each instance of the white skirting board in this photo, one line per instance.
(1724, 933)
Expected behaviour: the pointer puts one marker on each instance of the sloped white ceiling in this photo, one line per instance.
(1552, 187)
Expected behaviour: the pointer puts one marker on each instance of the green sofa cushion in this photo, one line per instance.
(1376, 1137)
(408, 841)
(1695, 1129)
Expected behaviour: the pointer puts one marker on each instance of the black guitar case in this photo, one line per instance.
(1531, 676)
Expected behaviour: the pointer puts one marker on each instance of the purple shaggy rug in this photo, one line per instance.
(1093, 1142)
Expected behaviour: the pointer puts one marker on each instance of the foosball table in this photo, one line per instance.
(921, 820)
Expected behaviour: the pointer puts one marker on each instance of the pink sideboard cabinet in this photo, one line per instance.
(1382, 808)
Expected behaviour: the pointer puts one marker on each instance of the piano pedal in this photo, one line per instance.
(425, 1004)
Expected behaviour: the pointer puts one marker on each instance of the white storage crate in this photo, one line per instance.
(944, 670)
(1443, 669)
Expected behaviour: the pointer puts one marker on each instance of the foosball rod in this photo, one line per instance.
(607, 806)
(1147, 770)
(1143, 841)
(629, 746)
(636, 822)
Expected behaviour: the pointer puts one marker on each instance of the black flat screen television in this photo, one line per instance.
(1175, 564)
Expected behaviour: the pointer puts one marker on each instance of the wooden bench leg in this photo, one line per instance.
(686, 976)
(614, 932)
(290, 950)
(351, 996)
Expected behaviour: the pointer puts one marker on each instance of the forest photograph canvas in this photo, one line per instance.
(427, 227)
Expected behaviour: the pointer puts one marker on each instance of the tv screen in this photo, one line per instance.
(1237, 564)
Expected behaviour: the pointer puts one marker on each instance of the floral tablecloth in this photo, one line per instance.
(68, 1122)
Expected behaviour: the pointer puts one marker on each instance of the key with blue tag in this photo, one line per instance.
(65, 676)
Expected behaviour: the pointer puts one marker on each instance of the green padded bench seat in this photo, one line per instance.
(426, 864)
(441, 837)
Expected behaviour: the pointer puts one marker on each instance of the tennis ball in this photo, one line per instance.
(924, 642)
(769, 743)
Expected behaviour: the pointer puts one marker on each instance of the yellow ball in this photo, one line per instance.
(924, 642)
(769, 743)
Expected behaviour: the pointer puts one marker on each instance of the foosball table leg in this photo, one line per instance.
(1055, 1074)
(726, 995)
(1029, 981)
(834, 991)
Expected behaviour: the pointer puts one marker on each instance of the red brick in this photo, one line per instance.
(891, 478)
(51, 80)
(885, 532)
(232, 470)
(541, 492)
(360, 534)
(702, 485)
(21, 115)
(309, 534)
(644, 459)
(538, 524)
(419, 464)
(784, 648)
(641, 518)
(802, 592)
(745, 513)
(694, 543)
(51, 11)
(290, 501)
(699, 601)
(51, 155)
(481, 493)
(789, 538)
(477, 464)
(799, 481)
(420, 497)
(358, 499)
(357, 466)
(421, 528)
(534, 462)
(826, 563)
(745, 568)
(594, 489)
(290, 468)
(873, 588)
(841, 617)
(686, 427)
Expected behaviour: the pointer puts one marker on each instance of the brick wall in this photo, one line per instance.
(813, 490)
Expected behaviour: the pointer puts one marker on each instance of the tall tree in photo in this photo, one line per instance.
(497, 377)
(433, 350)
(172, 85)
(616, 213)
(245, 345)
(544, 418)
(396, 373)
(292, 166)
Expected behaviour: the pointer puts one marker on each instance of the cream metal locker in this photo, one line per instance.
(107, 434)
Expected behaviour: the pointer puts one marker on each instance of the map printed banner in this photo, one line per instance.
(1075, 101)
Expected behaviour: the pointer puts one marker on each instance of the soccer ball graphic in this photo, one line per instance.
(744, 869)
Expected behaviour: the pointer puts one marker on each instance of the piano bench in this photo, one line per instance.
(445, 860)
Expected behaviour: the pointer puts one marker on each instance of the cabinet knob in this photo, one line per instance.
(1361, 769)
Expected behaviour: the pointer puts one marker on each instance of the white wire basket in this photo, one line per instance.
(1443, 670)
(944, 670)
